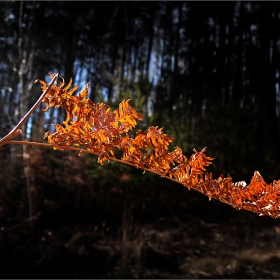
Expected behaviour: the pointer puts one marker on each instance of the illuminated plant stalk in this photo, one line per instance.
(16, 130)
(93, 128)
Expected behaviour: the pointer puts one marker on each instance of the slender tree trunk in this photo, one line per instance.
(238, 93)
(150, 46)
(25, 64)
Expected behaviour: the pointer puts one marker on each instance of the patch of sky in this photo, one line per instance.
(154, 69)
(29, 126)
(277, 94)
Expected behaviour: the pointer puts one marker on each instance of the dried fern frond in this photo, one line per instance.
(95, 128)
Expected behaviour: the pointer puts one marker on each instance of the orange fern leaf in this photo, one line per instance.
(95, 129)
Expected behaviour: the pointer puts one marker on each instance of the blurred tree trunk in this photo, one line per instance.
(269, 36)
(25, 65)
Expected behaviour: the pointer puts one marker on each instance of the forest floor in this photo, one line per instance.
(242, 247)
(113, 222)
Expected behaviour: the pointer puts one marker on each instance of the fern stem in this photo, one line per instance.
(110, 158)
(16, 130)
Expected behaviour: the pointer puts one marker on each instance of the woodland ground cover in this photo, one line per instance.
(97, 224)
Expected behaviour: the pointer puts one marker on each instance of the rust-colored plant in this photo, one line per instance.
(94, 128)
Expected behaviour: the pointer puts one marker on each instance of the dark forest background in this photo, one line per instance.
(208, 72)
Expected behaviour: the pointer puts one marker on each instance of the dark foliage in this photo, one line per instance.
(206, 71)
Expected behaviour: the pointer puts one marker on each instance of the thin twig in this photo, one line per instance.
(16, 130)
(23, 222)
(95, 153)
